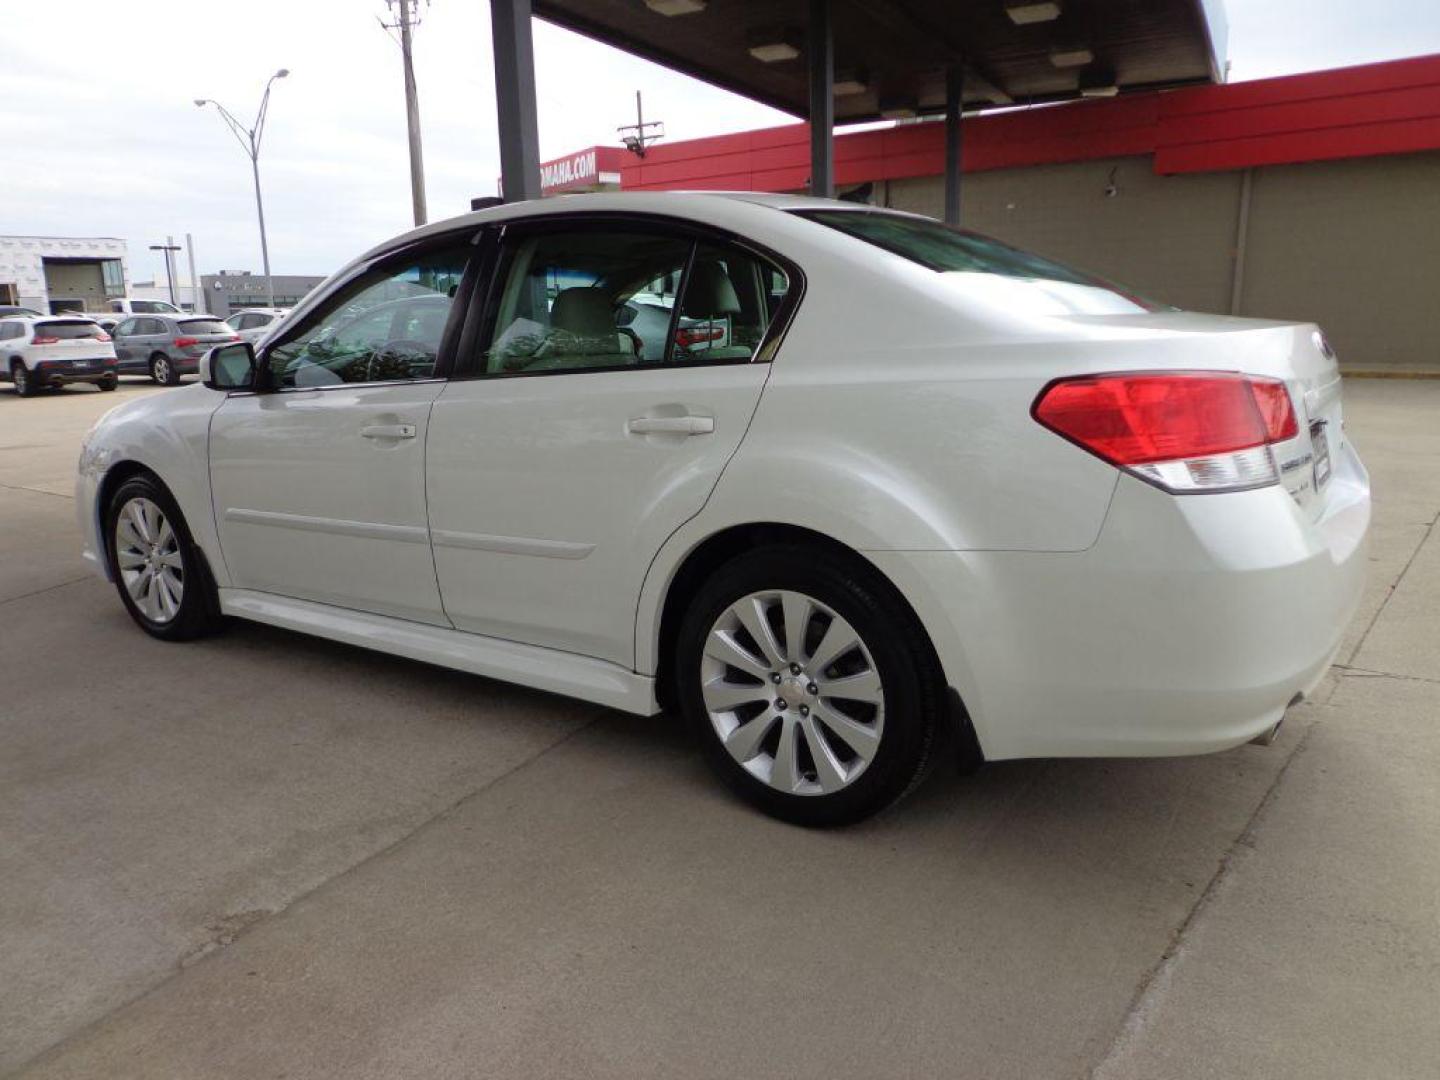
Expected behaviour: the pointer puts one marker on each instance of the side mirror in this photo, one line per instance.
(229, 367)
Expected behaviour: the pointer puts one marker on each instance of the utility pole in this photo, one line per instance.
(167, 248)
(406, 19)
(638, 136)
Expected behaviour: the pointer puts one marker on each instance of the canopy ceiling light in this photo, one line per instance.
(1024, 14)
(850, 83)
(675, 7)
(1071, 58)
(773, 46)
(1098, 82)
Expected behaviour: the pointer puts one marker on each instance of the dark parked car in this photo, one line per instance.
(166, 347)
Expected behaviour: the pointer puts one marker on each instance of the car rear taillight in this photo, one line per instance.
(1182, 431)
(186, 342)
(38, 340)
(695, 335)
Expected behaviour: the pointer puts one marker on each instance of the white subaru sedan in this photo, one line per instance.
(876, 493)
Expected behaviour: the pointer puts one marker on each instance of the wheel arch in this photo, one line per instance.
(115, 477)
(707, 555)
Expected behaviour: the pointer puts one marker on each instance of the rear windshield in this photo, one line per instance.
(152, 307)
(68, 330)
(204, 326)
(998, 270)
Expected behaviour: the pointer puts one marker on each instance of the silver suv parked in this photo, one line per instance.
(166, 347)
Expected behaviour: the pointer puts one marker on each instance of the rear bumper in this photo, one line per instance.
(74, 370)
(1190, 625)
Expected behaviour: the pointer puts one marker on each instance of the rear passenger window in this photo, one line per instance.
(727, 305)
(614, 298)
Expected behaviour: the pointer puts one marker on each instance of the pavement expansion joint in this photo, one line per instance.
(1153, 987)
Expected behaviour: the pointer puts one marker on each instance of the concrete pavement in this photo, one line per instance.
(267, 855)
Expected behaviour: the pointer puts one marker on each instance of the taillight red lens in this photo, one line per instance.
(1273, 400)
(694, 335)
(1135, 419)
(186, 342)
(45, 341)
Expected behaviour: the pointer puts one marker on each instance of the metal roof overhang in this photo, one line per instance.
(901, 49)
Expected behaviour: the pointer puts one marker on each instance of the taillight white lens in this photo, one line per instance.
(1182, 431)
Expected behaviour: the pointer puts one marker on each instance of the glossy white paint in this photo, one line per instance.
(311, 504)
(1077, 610)
(547, 510)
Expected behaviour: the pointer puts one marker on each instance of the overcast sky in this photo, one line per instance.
(115, 147)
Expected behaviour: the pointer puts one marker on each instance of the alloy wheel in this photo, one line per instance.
(21, 375)
(147, 551)
(792, 692)
(160, 369)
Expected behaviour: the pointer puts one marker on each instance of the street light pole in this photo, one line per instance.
(167, 248)
(249, 139)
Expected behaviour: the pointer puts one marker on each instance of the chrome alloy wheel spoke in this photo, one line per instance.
(805, 719)
(147, 552)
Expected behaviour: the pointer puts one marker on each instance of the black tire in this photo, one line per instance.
(914, 686)
(109, 382)
(26, 385)
(199, 609)
(162, 370)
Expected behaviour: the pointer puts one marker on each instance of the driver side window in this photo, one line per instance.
(385, 326)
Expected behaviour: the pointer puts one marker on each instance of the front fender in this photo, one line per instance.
(167, 434)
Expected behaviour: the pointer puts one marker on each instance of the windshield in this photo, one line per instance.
(69, 330)
(985, 266)
(203, 326)
(153, 307)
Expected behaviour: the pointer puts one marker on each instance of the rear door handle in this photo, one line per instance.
(388, 431)
(671, 425)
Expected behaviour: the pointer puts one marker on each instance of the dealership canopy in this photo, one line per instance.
(891, 55)
(855, 60)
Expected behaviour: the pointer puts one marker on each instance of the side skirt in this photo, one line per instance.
(565, 673)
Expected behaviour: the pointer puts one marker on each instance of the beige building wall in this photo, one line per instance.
(1166, 237)
(1353, 245)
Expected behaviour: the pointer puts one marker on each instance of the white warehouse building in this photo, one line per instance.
(62, 273)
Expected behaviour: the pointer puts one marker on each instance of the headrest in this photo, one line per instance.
(710, 292)
(583, 311)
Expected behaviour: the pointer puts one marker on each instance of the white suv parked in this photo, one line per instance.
(50, 350)
(252, 324)
(920, 488)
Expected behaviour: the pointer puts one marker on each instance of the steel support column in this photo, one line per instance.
(954, 101)
(821, 48)
(515, 99)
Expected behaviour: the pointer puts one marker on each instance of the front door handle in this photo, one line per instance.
(671, 425)
(388, 431)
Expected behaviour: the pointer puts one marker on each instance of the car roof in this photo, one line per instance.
(697, 205)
